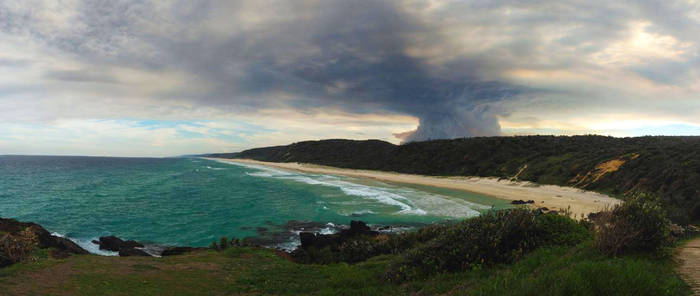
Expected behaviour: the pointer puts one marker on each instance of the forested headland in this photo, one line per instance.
(668, 167)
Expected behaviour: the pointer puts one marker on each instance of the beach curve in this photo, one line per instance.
(579, 202)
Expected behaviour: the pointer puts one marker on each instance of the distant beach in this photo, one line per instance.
(580, 202)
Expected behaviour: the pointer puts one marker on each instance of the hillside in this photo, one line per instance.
(666, 166)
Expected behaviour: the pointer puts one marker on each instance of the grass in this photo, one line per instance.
(577, 270)
(583, 271)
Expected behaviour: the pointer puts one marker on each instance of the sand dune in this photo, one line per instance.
(553, 197)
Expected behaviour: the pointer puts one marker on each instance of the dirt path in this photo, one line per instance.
(689, 256)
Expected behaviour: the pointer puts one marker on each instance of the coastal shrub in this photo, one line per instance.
(354, 251)
(214, 246)
(696, 212)
(316, 256)
(15, 248)
(350, 251)
(561, 230)
(223, 244)
(638, 225)
(495, 237)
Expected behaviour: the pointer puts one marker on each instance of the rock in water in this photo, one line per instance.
(111, 243)
(131, 244)
(357, 228)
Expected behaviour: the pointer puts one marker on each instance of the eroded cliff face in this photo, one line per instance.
(602, 169)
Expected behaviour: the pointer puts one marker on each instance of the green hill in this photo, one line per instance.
(666, 166)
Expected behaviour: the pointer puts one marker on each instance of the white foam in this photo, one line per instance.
(215, 169)
(88, 245)
(408, 200)
(359, 213)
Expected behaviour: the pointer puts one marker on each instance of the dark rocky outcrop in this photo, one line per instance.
(111, 243)
(19, 239)
(522, 202)
(357, 228)
(131, 244)
(44, 238)
(125, 248)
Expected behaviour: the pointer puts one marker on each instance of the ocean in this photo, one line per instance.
(194, 201)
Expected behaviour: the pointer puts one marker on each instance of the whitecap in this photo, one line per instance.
(88, 245)
(215, 169)
(409, 201)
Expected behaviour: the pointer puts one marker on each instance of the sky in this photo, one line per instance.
(163, 78)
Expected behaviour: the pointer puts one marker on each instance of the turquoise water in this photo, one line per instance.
(191, 201)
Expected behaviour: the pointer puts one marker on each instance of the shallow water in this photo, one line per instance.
(191, 201)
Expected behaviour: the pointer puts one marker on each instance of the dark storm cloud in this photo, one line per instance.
(448, 63)
(351, 55)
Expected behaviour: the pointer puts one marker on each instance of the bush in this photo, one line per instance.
(495, 237)
(696, 212)
(223, 244)
(561, 230)
(638, 225)
(14, 249)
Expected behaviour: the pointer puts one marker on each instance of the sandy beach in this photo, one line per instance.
(553, 197)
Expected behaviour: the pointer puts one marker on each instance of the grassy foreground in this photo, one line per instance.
(577, 270)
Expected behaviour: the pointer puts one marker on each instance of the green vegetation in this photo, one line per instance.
(508, 252)
(668, 167)
(638, 225)
(555, 270)
(496, 237)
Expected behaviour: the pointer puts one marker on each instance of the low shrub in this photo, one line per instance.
(562, 230)
(495, 237)
(638, 225)
(15, 248)
(696, 212)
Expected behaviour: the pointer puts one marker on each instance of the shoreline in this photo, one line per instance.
(553, 197)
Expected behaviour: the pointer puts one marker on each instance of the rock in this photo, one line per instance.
(94, 241)
(111, 243)
(542, 210)
(172, 251)
(522, 202)
(44, 238)
(357, 228)
(131, 244)
(126, 252)
(67, 245)
(303, 225)
(308, 239)
(681, 232)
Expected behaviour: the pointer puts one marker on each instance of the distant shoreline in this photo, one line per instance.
(552, 197)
